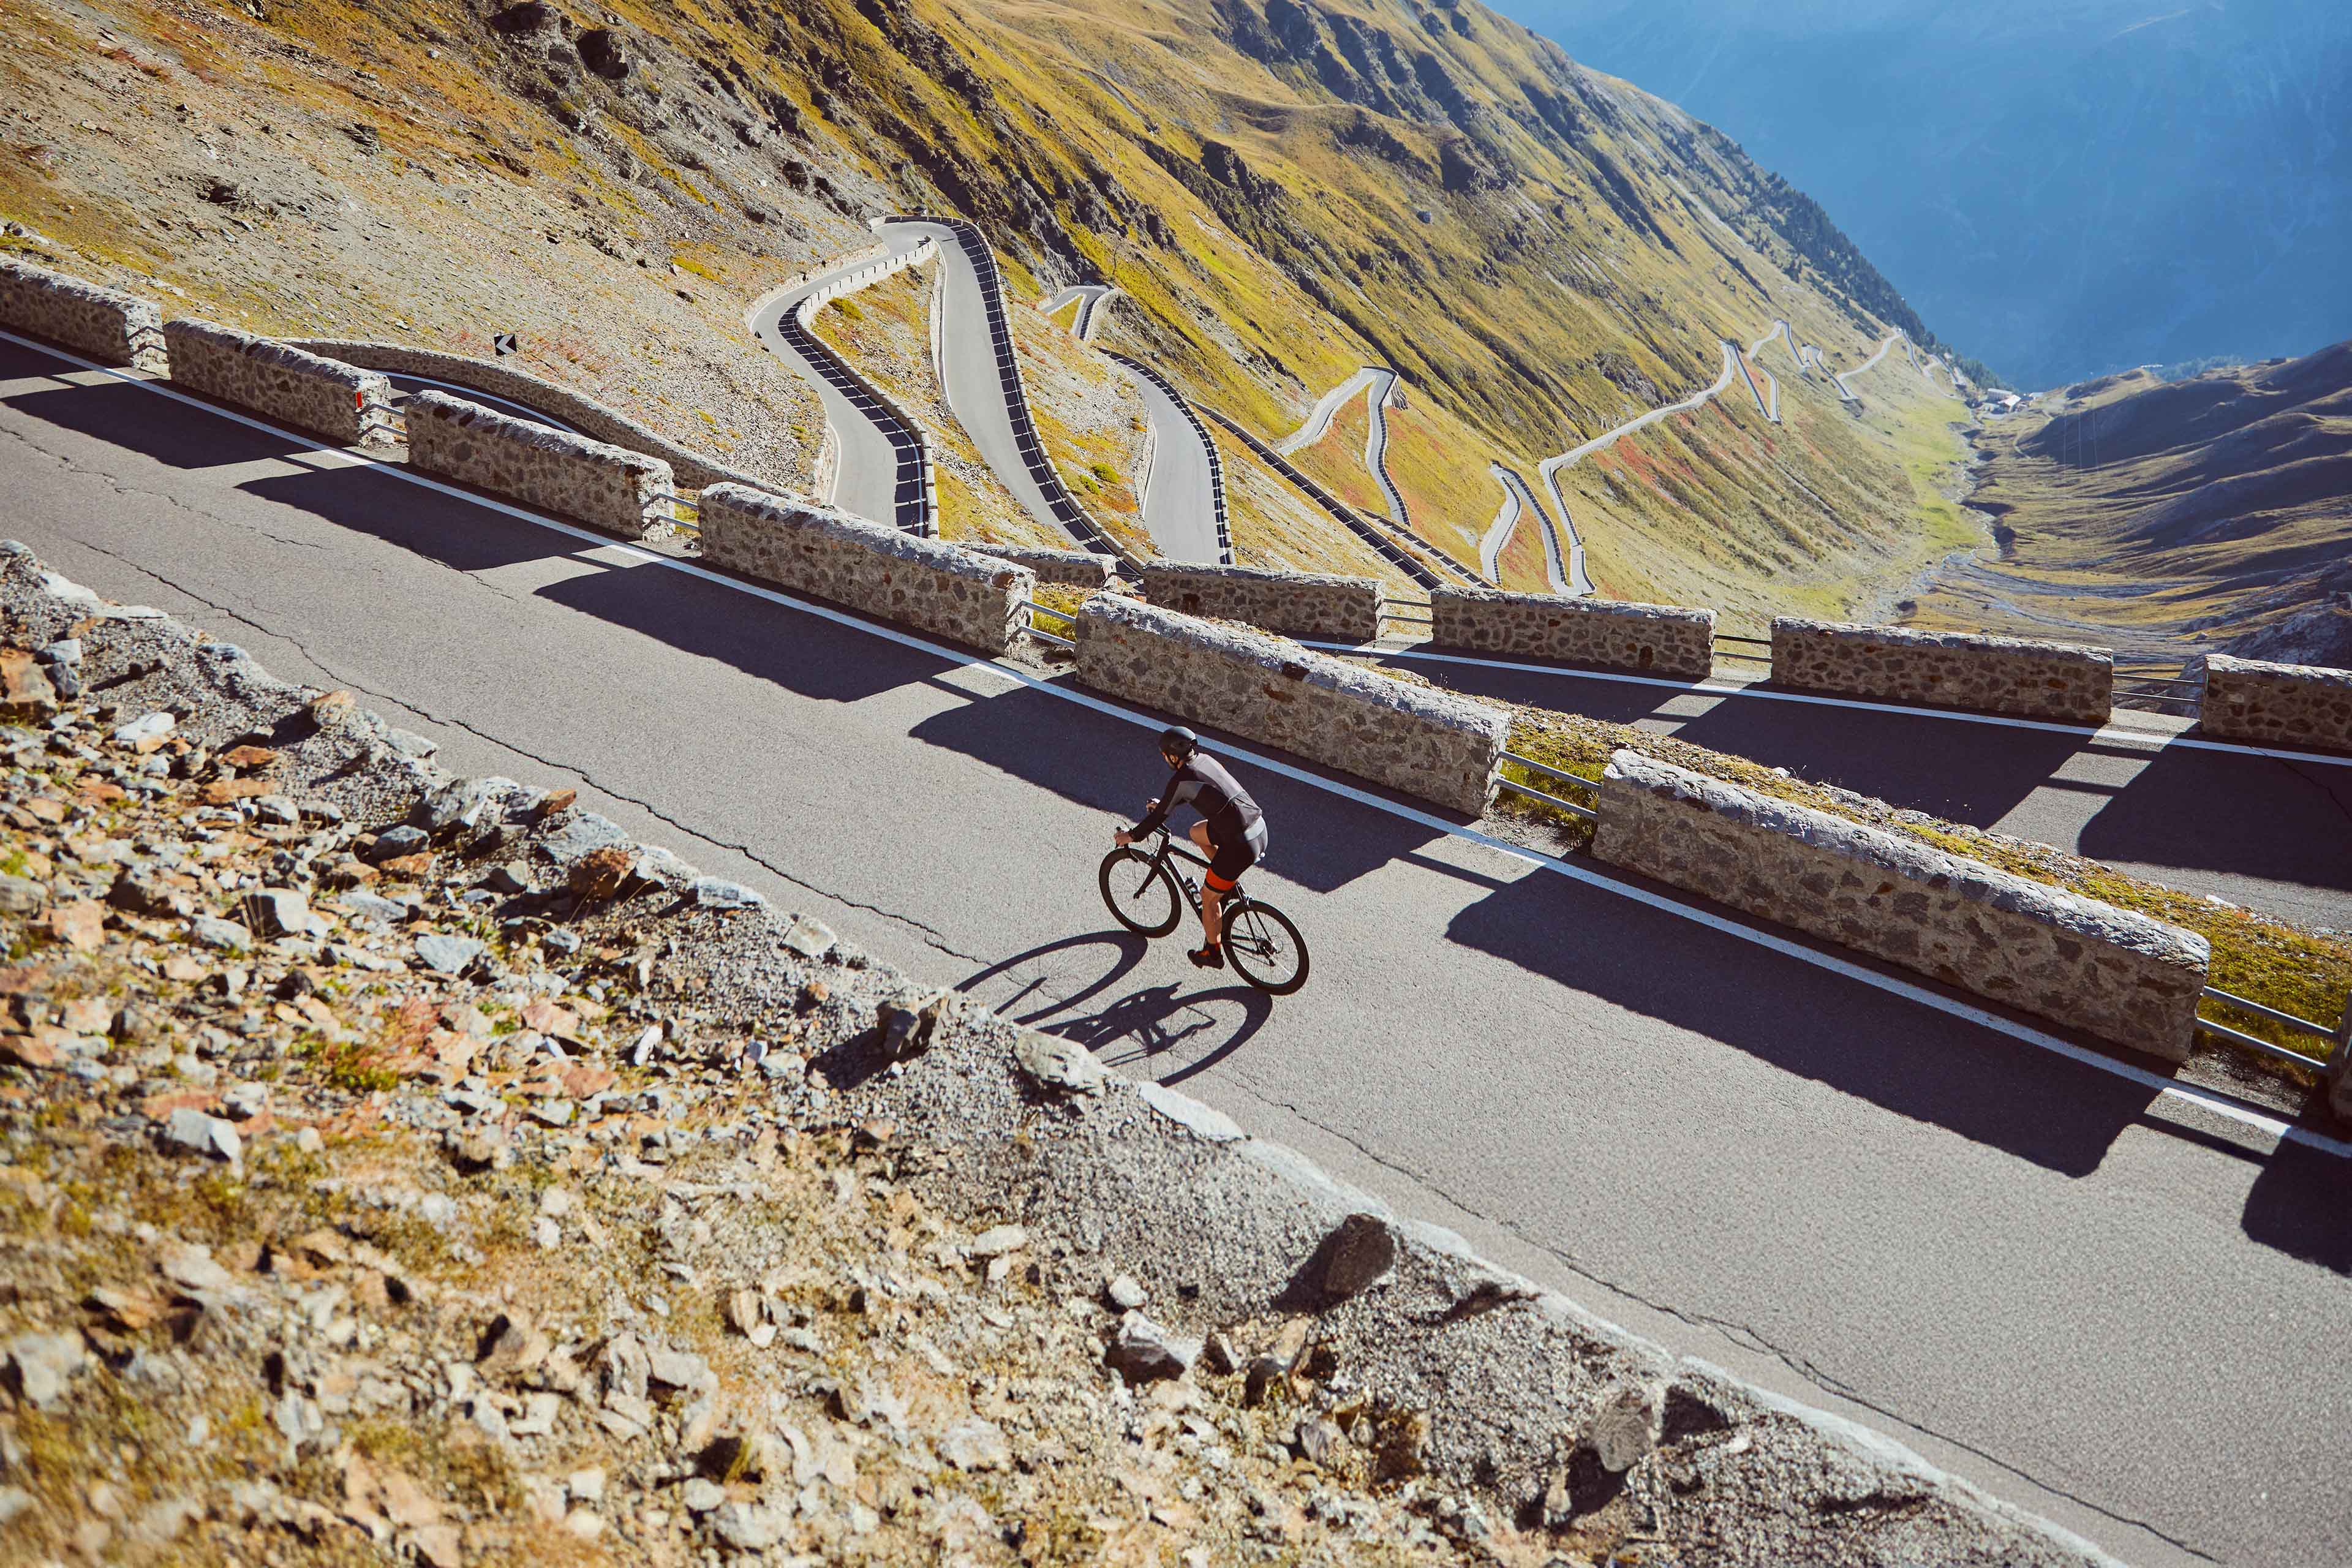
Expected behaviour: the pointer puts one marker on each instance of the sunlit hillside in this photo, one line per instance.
(1284, 190)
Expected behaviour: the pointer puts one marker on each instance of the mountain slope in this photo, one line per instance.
(1283, 191)
(2170, 516)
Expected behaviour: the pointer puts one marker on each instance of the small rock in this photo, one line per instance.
(395, 842)
(808, 938)
(282, 911)
(1626, 1427)
(80, 925)
(193, 1267)
(448, 955)
(505, 880)
(278, 809)
(1124, 1293)
(713, 893)
(1360, 1252)
(39, 1366)
(21, 896)
(146, 733)
(701, 1495)
(976, 1445)
(1055, 1063)
(1142, 1350)
(1222, 1357)
(746, 1527)
(1318, 1440)
(678, 1369)
(599, 874)
(223, 936)
(197, 1133)
(998, 1240)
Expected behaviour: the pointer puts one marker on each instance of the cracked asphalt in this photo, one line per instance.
(2080, 1298)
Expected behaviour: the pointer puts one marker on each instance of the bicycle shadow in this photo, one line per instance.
(1167, 1031)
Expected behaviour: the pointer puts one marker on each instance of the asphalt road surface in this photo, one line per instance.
(2263, 833)
(867, 477)
(2098, 1301)
(1180, 505)
(968, 369)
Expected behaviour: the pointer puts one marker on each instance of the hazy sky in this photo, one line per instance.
(2060, 187)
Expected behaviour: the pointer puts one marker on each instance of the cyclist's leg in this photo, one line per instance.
(1226, 868)
(1210, 893)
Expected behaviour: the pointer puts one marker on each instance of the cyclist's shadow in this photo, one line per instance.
(1170, 1031)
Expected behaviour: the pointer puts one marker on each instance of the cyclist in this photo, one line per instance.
(1231, 832)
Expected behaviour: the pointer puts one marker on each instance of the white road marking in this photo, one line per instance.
(2235, 1111)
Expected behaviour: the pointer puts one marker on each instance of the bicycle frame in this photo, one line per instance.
(1169, 849)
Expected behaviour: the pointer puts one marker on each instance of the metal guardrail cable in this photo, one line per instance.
(1586, 812)
(2256, 1043)
(2289, 1019)
(1549, 772)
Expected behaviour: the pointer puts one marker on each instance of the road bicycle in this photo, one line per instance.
(1148, 894)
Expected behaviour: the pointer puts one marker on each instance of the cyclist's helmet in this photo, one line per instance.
(1178, 742)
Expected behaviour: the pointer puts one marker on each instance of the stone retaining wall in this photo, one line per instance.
(1430, 745)
(110, 326)
(2273, 704)
(927, 583)
(1297, 603)
(1071, 568)
(2111, 972)
(1659, 638)
(587, 416)
(604, 487)
(1945, 669)
(343, 404)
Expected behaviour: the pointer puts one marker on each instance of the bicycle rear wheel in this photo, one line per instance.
(1264, 947)
(1140, 893)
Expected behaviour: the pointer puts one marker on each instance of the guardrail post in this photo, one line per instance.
(2339, 1050)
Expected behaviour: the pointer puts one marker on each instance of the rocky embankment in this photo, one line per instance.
(398, 1167)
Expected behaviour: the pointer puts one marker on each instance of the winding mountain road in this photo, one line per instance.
(980, 374)
(1090, 299)
(2110, 1298)
(1519, 503)
(1378, 384)
(1549, 468)
(877, 469)
(1184, 498)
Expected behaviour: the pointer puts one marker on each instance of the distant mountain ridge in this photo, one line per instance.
(2067, 188)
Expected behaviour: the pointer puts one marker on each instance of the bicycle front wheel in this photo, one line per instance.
(1264, 947)
(1139, 891)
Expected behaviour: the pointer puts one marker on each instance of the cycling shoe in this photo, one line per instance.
(1207, 958)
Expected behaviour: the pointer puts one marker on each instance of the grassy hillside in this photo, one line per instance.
(2165, 518)
(1285, 189)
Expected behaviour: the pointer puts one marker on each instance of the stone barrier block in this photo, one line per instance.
(1945, 669)
(342, 403)
(1295, 604)
(1661, 639)
(2111, 972)
(1070, 568)
(493, 379)
(110, 326)
(1429, 744)
(604, 487)
(2304, 705)
(927, 583)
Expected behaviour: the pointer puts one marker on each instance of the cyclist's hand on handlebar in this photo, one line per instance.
(1123, 837)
